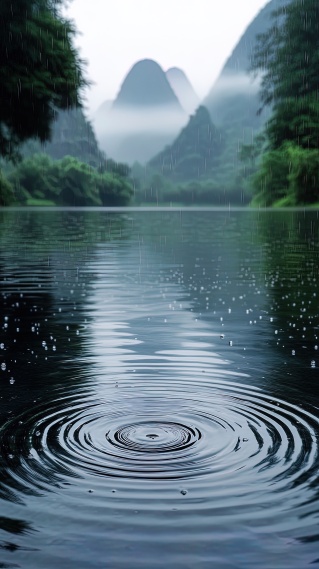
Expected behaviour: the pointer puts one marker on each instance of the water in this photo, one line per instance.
(159, 389)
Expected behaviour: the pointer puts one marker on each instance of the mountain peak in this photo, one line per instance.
(146, 85)
(183, 89)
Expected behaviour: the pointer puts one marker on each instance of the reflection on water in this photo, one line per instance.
(159, 401)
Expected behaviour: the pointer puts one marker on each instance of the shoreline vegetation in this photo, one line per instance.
(49, 155)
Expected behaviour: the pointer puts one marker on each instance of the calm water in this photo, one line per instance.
(159, 403)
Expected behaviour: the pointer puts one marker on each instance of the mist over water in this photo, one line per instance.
(159, 402)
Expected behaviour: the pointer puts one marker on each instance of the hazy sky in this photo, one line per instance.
(195, 35)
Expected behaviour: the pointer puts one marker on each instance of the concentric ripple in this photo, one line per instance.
(154, 437)
(233, 445)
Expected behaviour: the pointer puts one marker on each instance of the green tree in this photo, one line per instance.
(6, 191)
(40, 70)
(39, 179)
(287, 56)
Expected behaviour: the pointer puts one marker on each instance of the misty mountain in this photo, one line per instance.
(232, 103)
(145, 116)
(71, 135)
(183, 89)
(235, 86)
(194, 153)
(146, 85)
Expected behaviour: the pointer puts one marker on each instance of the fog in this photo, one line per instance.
(232, 84)
(137, 133)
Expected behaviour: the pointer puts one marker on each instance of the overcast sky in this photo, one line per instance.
(195, 35)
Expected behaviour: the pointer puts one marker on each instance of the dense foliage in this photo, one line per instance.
(288, 56)
(153, 188)
(68, 182)
(40, 71)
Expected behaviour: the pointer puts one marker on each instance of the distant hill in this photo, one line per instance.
(194, 153)
(232, 103)
(146, 85)
(235, 83)
(183, 89)
(145, 116)
(72, 135)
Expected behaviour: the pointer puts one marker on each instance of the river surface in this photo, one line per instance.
(159, 403)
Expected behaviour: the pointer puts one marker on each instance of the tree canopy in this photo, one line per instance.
(38, 180)
(40, 71)
(287, 56)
